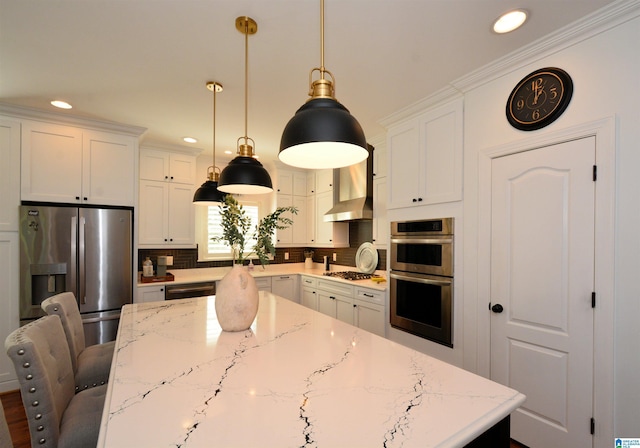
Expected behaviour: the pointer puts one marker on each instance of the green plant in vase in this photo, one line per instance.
(237, 231)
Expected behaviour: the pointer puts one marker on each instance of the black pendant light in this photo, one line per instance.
(322, 133)
(208, 193)
(244, 174)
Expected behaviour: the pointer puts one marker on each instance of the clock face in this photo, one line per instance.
(539, 99)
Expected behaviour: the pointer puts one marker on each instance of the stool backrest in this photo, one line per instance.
(41, 358)
(66, 306)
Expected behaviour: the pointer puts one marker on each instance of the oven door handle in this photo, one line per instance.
(426, 281)
(421, 240)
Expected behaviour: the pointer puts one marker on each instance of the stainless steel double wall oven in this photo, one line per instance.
(421, 278)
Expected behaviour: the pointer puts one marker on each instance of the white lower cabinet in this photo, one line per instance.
(359, 306)
(263, 283)
(336, 305)
(336, 300)
(309, 295)
(369, 310)
(150, 293)
(285, 286)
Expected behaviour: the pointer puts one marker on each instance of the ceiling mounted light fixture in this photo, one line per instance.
(322, 133)
(61, 104)
(244, 174)
(510, 21)
(208, 193)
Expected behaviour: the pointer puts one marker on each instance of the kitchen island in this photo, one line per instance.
(295, 378)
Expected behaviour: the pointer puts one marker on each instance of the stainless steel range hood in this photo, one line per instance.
(353, 191)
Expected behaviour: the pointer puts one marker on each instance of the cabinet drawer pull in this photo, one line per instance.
(367, 295)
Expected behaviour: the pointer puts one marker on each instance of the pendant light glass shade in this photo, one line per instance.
(244, 174)
(322, 134)
(208, 193)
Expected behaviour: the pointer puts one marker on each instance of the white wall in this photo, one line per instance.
(604, 69)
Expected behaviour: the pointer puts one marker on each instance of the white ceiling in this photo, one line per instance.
(146, 62)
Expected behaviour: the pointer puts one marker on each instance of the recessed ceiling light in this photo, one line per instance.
(228, 151)
(190, 139)
(61, 104)
(510, 21)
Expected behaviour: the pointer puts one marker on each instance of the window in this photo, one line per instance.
(208, 226)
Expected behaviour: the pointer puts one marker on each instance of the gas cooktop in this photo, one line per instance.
(349, 275)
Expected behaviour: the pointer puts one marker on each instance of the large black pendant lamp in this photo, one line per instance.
(244, 174)
(208, 193)
(322, 133)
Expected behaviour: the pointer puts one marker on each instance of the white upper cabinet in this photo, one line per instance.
(324, 180)
(291, 191)
(425, 158)
(9, 174)
(164, 166)
(380, 161)
(74, 165)
(108, 169)
(167, 213)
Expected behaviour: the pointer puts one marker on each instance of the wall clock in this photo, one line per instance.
(539, 99)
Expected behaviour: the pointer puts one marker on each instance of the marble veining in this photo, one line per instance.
(296, 378)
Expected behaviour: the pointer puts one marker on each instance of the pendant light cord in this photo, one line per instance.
(322, 70)
(214, 132)
(246, 80)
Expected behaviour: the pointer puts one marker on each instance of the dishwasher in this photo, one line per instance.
(187, 290)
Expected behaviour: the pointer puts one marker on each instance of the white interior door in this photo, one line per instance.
(542, 279)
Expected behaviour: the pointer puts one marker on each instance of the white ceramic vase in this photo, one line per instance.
(236, 300)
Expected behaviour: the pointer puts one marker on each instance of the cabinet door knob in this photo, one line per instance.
(77, 198)
(419, 199)
(414, 200)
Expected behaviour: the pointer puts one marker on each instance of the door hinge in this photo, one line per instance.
(593, 426)
(593, 299)
(595, 172)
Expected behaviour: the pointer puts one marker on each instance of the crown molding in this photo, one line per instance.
(583, 29)
(59, 118)
(604, 19)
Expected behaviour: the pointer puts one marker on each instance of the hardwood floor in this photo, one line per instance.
(19, 428)
(16, 418)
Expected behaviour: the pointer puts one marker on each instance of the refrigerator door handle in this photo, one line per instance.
(74, 250)
(82, 260)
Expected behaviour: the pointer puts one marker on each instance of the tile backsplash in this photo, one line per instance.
(359, 232)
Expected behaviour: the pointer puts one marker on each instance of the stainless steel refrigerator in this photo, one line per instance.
(87, 251)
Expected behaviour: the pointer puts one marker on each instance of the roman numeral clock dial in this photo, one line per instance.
(539, 99)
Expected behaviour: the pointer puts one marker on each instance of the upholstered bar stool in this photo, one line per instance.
(91, 365)
(57, 416)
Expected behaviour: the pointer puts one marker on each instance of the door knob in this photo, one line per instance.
(497, 308)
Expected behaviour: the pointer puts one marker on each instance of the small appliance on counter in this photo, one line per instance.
(161, 272)
(163, 262)
(308, 259)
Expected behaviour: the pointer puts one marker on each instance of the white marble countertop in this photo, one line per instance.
(295, 378)
(208, 274)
